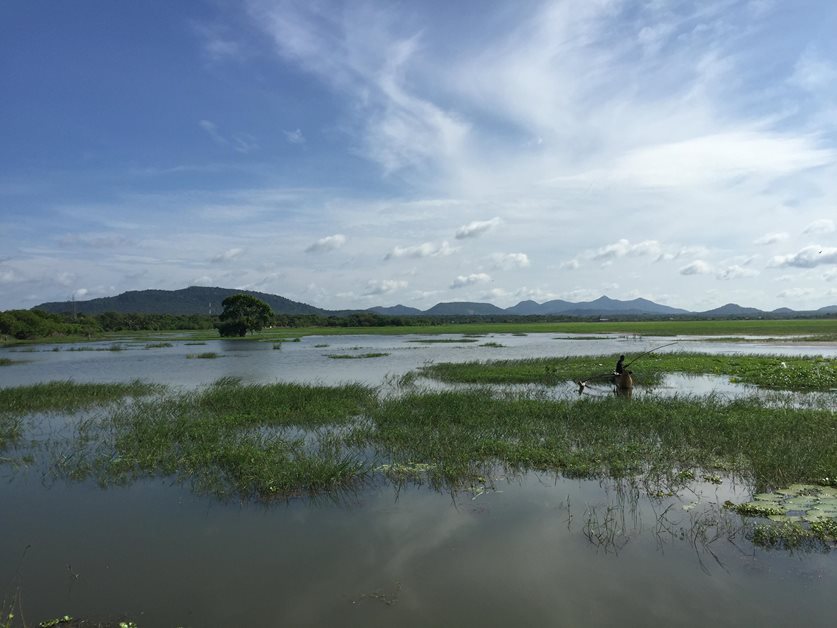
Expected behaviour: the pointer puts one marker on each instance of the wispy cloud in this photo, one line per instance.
(823, 225)
(328, 243)
(427, 249)
(469, 280)
(239, 142)
(808, 257)
(476, 228)
(227, 256)
(624, 248)
(735, 272)
(508, 261)
(376, 287)
(294, 137)
(771, 238)
(698, 267)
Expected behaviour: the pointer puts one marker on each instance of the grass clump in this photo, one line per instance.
(208, 355)
(68, 396)
(361, 356)
(8, 362)
(436, 341)
(493, 345)
(158, 345)
(225, 439)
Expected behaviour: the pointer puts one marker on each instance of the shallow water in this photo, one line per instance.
(519, 555)
(258, 362)
(535, 549)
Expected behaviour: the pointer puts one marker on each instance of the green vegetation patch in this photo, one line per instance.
(359, 356)
(462, 432)
(224, 439)
(68, 396)
(158, 345)
(778, 373)
(9, 362)
(493, 345)
(208, 355)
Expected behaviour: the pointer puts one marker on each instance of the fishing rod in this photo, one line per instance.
(651, 351)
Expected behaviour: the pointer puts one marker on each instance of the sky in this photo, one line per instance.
(355, 154)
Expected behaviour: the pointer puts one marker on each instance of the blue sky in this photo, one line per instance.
(372, 153)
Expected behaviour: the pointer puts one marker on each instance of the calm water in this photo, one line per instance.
(537, 550)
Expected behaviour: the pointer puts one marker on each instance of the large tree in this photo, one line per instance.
(243, 313)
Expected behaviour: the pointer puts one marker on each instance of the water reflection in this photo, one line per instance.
(536, 550)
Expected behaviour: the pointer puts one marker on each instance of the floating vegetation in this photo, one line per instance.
(520, 333)
(435, 341)
(158, 345)
(402, 471)
(494, 345)
(799, 513)
(360, 356)
(321, 346)
(209, 355)
(8, 362)
(195, 342)
(277, 345)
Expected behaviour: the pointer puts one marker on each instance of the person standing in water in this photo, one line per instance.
(620, 367)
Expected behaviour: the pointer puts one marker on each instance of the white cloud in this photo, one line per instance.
(771, 238)
(469, 280)
(227, 256)
(328, 243)
(508, 261)
(476, 228)
(830, 275)
(698, 267)
(572, 264)
(624, 248)
(376, 287)
(808, 257)
(427, 249)
(824, 225)
(735, 272)
(294, 137)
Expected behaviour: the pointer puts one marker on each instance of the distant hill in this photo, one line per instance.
(395, 310)
(192, 300)
(731, 310)
(203, 300)
(463, 308)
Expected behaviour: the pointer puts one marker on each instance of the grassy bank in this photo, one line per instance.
(778, 373)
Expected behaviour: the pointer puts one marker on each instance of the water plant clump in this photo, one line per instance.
(360, 356)
(158, 345)
(8, 362)
(208, 355)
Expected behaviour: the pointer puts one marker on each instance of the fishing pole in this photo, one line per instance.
(651, 351)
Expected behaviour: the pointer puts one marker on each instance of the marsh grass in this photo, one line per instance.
(360, 356)
(217, 439)
(773, 372)
(158, 345)
(9, 362)
(69, 396)
(493, 345)
(208, 355)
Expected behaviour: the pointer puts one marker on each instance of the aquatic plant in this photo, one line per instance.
(209, 355)
(361, 356)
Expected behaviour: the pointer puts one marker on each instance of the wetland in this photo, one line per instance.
(449, 483)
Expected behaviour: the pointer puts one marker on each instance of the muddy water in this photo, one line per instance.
(537, 550)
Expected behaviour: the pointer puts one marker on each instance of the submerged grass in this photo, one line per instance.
(360, 356)
(209, 355)
(8, 362)
(778, 373)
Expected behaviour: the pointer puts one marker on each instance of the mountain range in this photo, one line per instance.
(204, 300)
